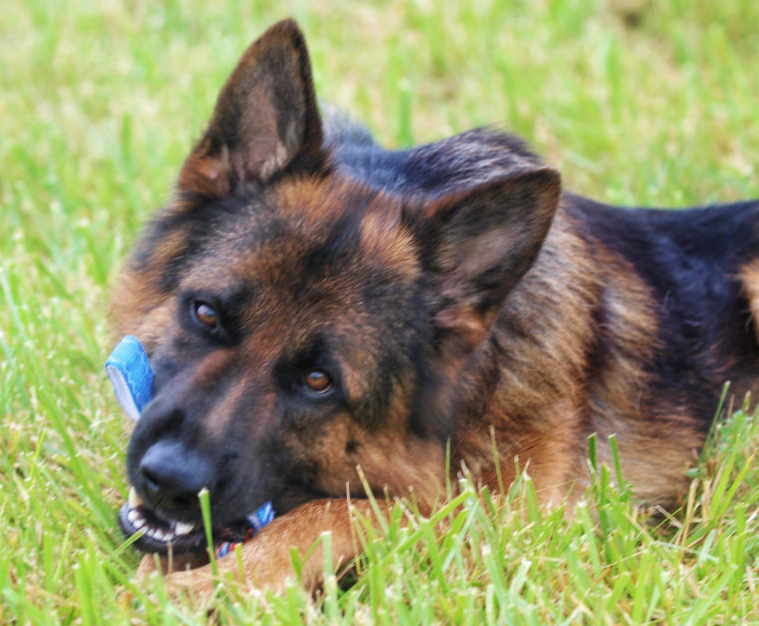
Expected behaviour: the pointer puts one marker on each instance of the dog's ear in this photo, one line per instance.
(265, 118)
(479, 243)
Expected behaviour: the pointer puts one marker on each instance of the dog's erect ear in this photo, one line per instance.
(265, 117)
(481, 242)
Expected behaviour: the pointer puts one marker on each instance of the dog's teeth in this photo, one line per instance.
(180, 528)
(132, 516)
(134, 500)
(138, 523)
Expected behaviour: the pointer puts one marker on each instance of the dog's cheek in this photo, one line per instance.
(351, 458)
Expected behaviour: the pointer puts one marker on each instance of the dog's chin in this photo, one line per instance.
(164, 536)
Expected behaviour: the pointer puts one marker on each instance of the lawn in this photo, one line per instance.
(650, 102)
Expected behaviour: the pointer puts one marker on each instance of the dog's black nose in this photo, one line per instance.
(172, 475)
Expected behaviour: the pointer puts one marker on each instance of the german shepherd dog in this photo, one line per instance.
(313, 303)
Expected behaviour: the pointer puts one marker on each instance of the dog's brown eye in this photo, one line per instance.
(206, 314)
(317, 381)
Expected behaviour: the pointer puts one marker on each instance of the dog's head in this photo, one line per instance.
(300, 323)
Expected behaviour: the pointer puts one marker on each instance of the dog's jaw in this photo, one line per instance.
(160, 535)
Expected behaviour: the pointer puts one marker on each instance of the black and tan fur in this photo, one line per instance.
(452, 291)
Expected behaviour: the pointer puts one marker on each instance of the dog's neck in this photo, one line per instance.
(546, 375)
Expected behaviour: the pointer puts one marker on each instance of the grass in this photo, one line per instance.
(636, 101)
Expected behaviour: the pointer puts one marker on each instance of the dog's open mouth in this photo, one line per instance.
(161, 535)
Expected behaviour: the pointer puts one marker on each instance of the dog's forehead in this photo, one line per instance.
(305, 233)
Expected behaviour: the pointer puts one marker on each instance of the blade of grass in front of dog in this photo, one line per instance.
(721, 503)
(590, 536)
(205, 509)
(617, 463)
(705, 604)
(721, 404)
(433, 552)
(713, 434)
(496, 460)
(723, 494)
(85, 595)
(331, 609)
(593, 452)
(381, 519)
(415, 535)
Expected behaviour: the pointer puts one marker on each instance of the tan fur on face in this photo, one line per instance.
(315, 204)
(131, 298)
(137, 292)
(390, 460)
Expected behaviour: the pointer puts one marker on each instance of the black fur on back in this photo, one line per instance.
(691, 258)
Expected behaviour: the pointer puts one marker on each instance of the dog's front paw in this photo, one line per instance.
(263, 566)
(266, 561)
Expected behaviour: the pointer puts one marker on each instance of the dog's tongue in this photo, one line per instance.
(128, 368)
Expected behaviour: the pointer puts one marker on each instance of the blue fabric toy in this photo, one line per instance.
(129, 369)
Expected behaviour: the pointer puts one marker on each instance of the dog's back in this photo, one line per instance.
(700, 264)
